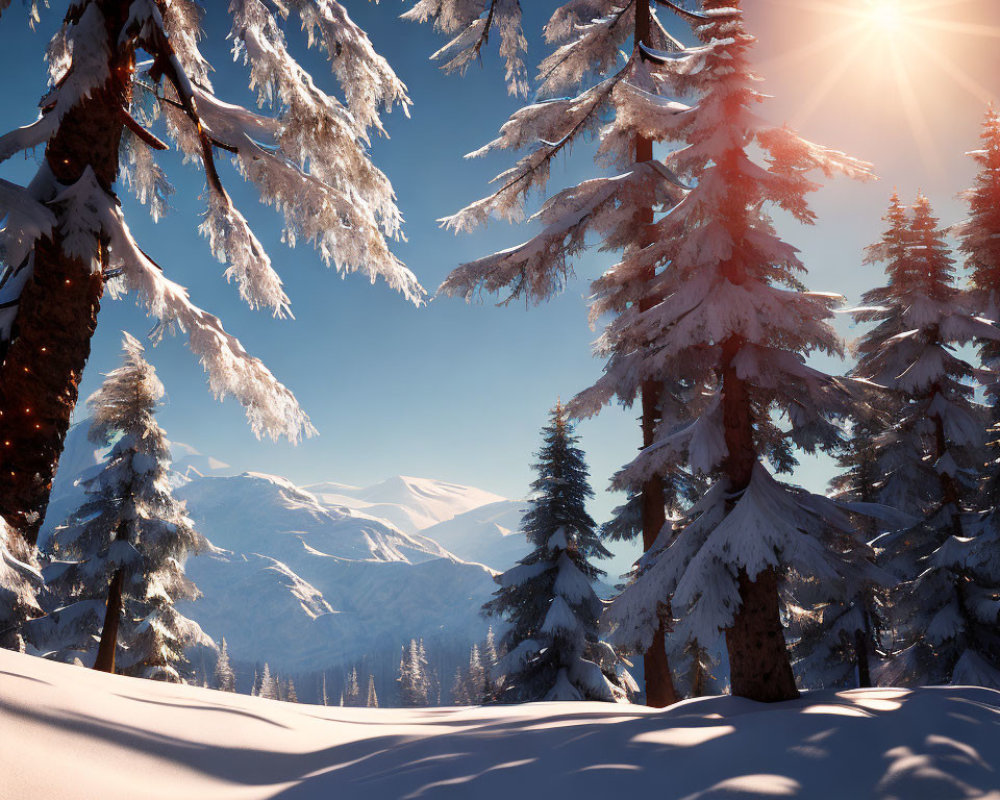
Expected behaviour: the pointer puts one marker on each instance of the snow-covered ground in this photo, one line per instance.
(73, 733)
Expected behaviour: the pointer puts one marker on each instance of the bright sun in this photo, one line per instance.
(887, 15)
(892, 36)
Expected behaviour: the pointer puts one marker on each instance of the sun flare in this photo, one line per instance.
(887, 15)
(896, 39)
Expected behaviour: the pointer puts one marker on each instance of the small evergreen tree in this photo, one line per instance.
(268, 686)
(322, 692)
(351, 695)
(291, 695)
(371, 698)
(118, 567)
(415, 681)
(460, 689)
(476, 678)
(490, 659)
(225, 678)
(553, 648)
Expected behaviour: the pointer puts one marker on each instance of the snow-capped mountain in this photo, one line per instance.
(411, 504)
(304, 586)
(310, 578)
(487, 534)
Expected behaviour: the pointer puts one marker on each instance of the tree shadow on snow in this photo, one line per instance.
(826, 746)
(833, 748)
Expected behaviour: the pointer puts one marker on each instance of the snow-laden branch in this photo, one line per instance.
(270, 407)
(538, 269)
(470, 23)
(768, 525)
(365, 77)
(552, 126)
(310, 162)
(347, 222)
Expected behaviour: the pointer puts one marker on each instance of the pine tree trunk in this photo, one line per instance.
(41, 371)
(861, 652)
(760, 668)
(660, 691)
(105, 661)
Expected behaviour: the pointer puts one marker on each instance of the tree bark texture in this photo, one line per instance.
(57, 316)
(105, 661)
(760, 667)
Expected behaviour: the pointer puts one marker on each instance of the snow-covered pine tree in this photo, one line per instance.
(476, 676)
(490, 659)
(324, 699)
(371, 698)
(20, 582)
(225, 678)
(460, 689)
(931, 456)
(585, 89)
(291, 696)
(118, 561)
(305, 150)
(713, 312)
(553, 650)
(268, 686)
(838, 643)
(979, 241)
(351, 696)
(414, 676)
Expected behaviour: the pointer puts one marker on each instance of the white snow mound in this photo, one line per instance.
(123, 737)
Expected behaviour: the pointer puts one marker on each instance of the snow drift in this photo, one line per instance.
(76, 733)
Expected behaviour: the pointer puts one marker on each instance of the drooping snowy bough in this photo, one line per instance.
(305, 150)
(470, 24)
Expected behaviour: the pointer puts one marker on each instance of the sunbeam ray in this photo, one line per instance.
(960, 77)
(830, 81)
(914, 113)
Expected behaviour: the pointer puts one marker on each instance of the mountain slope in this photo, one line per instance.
(487, 534)
(125, 737)
(306, 585)
(412, 504)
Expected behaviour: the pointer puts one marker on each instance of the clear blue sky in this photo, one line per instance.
(459, 392)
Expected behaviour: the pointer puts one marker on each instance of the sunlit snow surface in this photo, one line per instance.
(72, 733)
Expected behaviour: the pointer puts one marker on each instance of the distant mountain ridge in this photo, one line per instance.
(308, 578)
